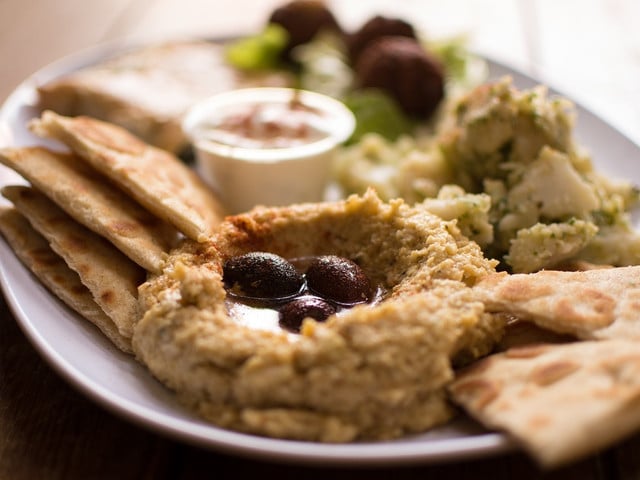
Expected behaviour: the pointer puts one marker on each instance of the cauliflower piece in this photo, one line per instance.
(408, 168)
(617, 244)
(471, 212)
(496, 125)
(369, 163)
(554, 188)
(545, 245)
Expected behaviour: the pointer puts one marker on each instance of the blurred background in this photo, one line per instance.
(587, 49)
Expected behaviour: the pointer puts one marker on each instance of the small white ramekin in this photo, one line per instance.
(245, 177)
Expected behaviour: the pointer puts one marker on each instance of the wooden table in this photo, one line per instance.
(48, 430)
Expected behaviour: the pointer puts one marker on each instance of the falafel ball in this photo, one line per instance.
(303, 19)
(374, 28)
(402, 68)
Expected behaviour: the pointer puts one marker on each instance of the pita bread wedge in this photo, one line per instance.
(34, 251)
(155, 178)
(148, 89)
(593, 304)
(562, 402)
(111, 277)
(95, 203)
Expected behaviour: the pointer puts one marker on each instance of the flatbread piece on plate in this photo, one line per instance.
(562, 402)
(593, 304)
(112, 278)
(147, 89)
(92, 201)
(154, 177)
(34, 252)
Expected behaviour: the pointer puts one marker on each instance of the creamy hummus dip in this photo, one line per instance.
(372, 372)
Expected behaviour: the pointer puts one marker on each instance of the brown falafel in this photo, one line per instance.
(303, 19)
(402, 68)
(376, 27)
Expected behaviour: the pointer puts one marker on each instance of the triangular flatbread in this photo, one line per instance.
(34, 251)
(562, 402)
(95, 203)
(111, 277)
(154, 177)
(147, 89)
(593, 304)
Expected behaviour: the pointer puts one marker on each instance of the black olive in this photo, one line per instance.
(293, 313)
(261, 275)
(338, 279)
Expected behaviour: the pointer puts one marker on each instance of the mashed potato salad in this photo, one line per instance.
(504, 163)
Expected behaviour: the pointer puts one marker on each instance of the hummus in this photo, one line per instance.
(371, 372)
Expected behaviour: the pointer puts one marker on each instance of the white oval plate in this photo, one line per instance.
(80, 354)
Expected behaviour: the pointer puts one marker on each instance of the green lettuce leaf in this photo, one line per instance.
(258, 52)
(376, 112)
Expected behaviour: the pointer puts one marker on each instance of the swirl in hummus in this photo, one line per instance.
(372, 372)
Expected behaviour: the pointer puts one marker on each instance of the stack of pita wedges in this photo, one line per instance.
(568, 383)
(96, 219)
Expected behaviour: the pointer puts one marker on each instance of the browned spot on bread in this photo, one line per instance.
(527, 351)
(108, 135)
(108, 296)
(83, 269)
(124, 228)
(76, 243)
(521, 288)
(539, 421)
(552, 372)
(480, 392)
(594, 309)
(493, 279)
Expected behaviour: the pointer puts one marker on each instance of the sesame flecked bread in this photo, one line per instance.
(112, 278)
(34, 251)
(155, 178)
(94, 203)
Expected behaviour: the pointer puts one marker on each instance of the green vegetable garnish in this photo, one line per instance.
(378, 113)
(462, 68)
(259, 52)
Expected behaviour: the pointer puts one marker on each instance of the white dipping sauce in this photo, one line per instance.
(267, 146)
